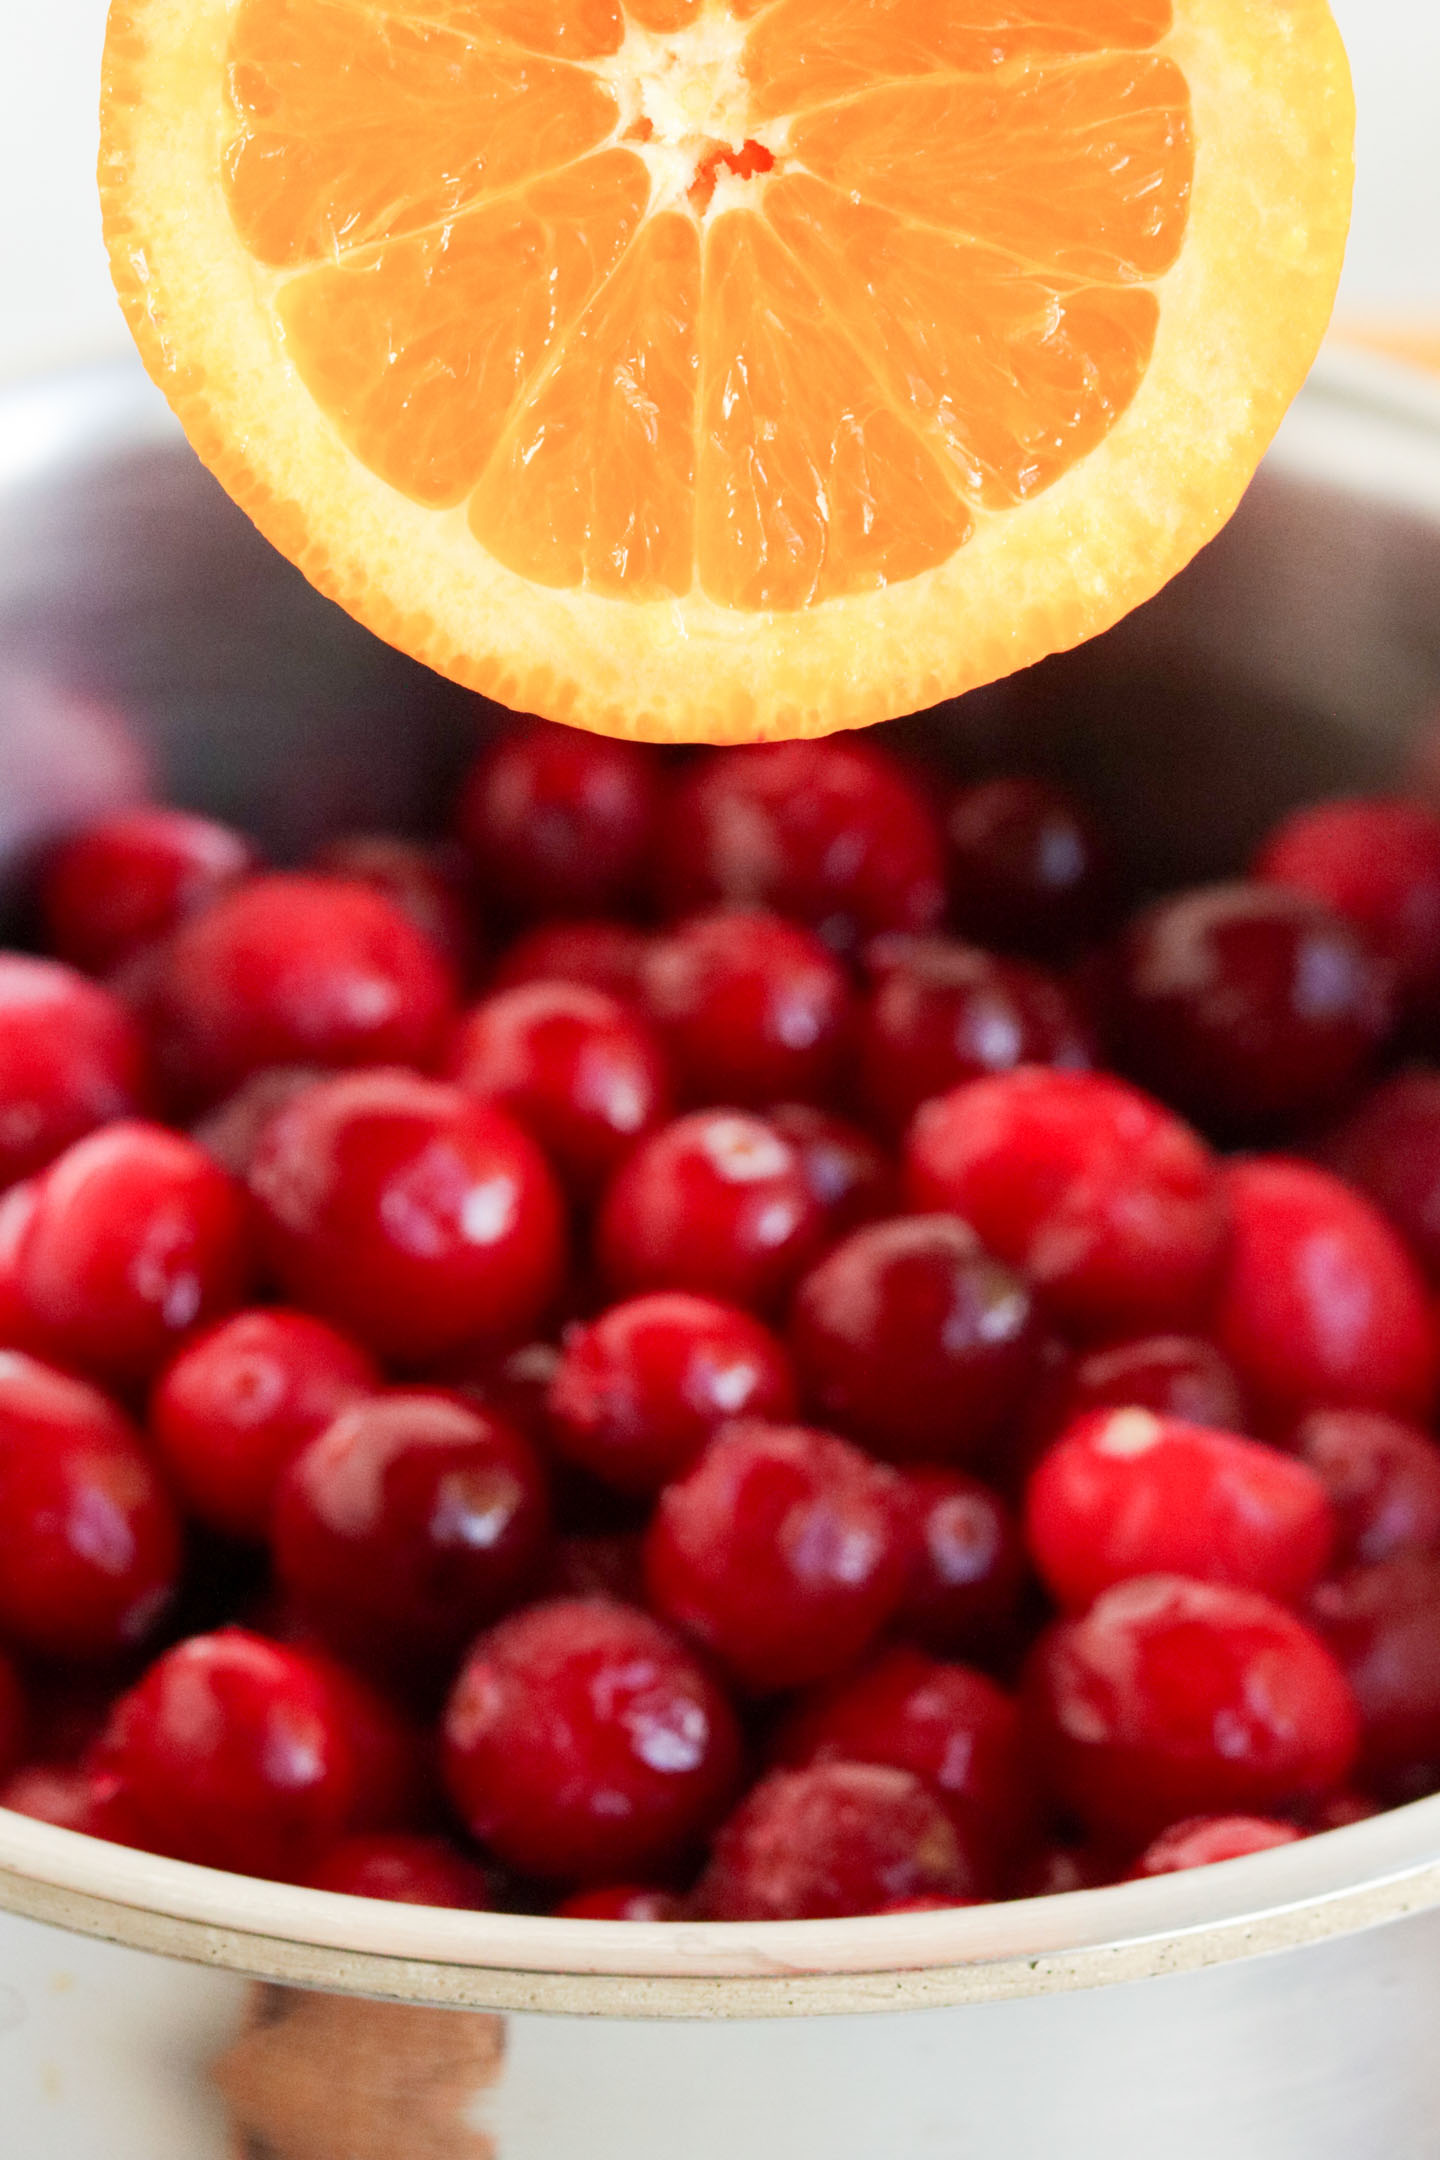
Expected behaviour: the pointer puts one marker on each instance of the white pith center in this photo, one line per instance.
(689, 88)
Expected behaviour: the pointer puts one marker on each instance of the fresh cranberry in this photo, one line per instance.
(408, 1525)
(942, 1013)
(1172, 1698)
(929, 1904)
(911, 1337)
(598, 953)
(751, 1007)
(1110, 1205)
(1205, 1840)
(597, 1563)
(580, 1071)
(1320, 1306)
(430, 883)
(1176, 1376)
(1375, 862)
(404, 1869)
(12, 1717)
(408, 1213)
(241, 1400)
(560, 823)
(1055, 1870)
(1341, 1810)
(583, 1740)
(394, 1757)
(1125, 1493)
(1383, 1625)
(71, 1059)
(640, 1390)
(515, 1381)
(852, 1177)
(230, 1133)
(19, 1328)
(1390, 1148)
(132, 877)
(621, 1901)
(1383, 1479)
(718, 1203)
(832, 833)
(1248, 1005)
(72, 1796)
(1028, 870)
(832, 1840)
(967, 1565)
(782, 1550)
(293, 970)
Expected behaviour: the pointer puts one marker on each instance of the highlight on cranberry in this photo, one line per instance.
(747, 1337)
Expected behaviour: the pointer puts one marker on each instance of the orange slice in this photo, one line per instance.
(724, 369)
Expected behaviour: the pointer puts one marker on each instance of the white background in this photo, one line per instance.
(55, 302)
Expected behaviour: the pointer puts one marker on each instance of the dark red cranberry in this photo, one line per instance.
(408, 1524)
(1176, 1376)
(1172, 1698)
(967, 1565)
(1340, 1811)
(942, 1013)
(581, 1072)
(1320, 1306)
(1248, 1006)
(597, 1563)
(515, 1382)
(751, 1007)
(583, 1740)
(852, 1177)
(1028, 870)
(132, 877)
(1383, 1625)
(832, 1840)
(1056, 1870)
(19, 1328)
(560, 823)
(1390, 1148)
(230, 1133)
(394, 1757)
(427, 881)
(71, 1058)
(1383, 1479)
(1207, 1839)
(597, 953)
(1125, 1493)
(12, 1717)
(241, 1400)
(72, 1796)
(621, 1901)
(408, 1213)
(832, 833)
(782, 1550)
(640, 1390)
(1375, 862)
(718, 1203)
(1110, 1205)
(403, 1868)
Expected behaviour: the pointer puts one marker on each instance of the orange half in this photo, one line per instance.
(725, 369)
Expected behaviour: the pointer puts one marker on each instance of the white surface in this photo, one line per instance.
(55, 301)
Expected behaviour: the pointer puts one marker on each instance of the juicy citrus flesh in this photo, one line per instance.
(714, 370)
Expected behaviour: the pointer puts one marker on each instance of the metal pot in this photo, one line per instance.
(1278, 2006)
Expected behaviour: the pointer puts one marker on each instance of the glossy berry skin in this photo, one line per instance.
(12, 1717)
(1320, 1306)
(584, 1741)
(1028, 870)
(831, 833)
(581, 1072)
(941, 1013)
(408, 1214)
(1382, 1624)
(240, 1401)
(408, 1524)
(848, 1172)
(71, 1059)
(1383, 1479)
(428, 882)
(293, 969)
(782, 1550)
(1171, 1698)
(967, 1565)
(1176, 1376)
(716, 1202)
(133, 877)
(752, 1008)
(1111, 1206)
(832, 1840)
(913, 1339)
(1375, 862)
(559, 822)
(621, 1901)
(1205, 1840)
(72, 1796)
(1124, 1493)
(137, 1237)
(1389, 1147)
(593, 951)
(403, 1868)
(1248, 1005)
(639, 1391)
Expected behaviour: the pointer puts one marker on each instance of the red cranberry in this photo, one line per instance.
(1125, 1493)
(1207, 1839)
(1383, 1479)
(238, 1403)
(599, 954)
(1383, 1625)
(408, 1524)
(71, 1058)
(1176, 1376)
(132, 877)
(1109, 1204)
(751, 1007)
(1340, 1811)
(230, 1133)
(621, 1901)
(136, 1238)
(403, 1869)
(408, 1213)
(1056, 1870)
(967, 1565)
(515, 1382)
(577, 1069)
(718, 1203)
(783, 1550)
(559, 822)
(832, 1840)
(640, 1390)
(1390, 1148)
(1247, 1005)
(428, 883)
(853, 1179)
(19, 1329)
(583, 1740)
(911, 1337)
(942, 1013)
(73, 1796)
(12, 1717)
(830, 832)
(394, 1757)
(1028, 870)
(293, 970)
(1172, 1698)
(597, 1563)
(1320, 1307)
(1375, 862)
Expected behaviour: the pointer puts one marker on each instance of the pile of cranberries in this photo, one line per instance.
(737, 1339)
